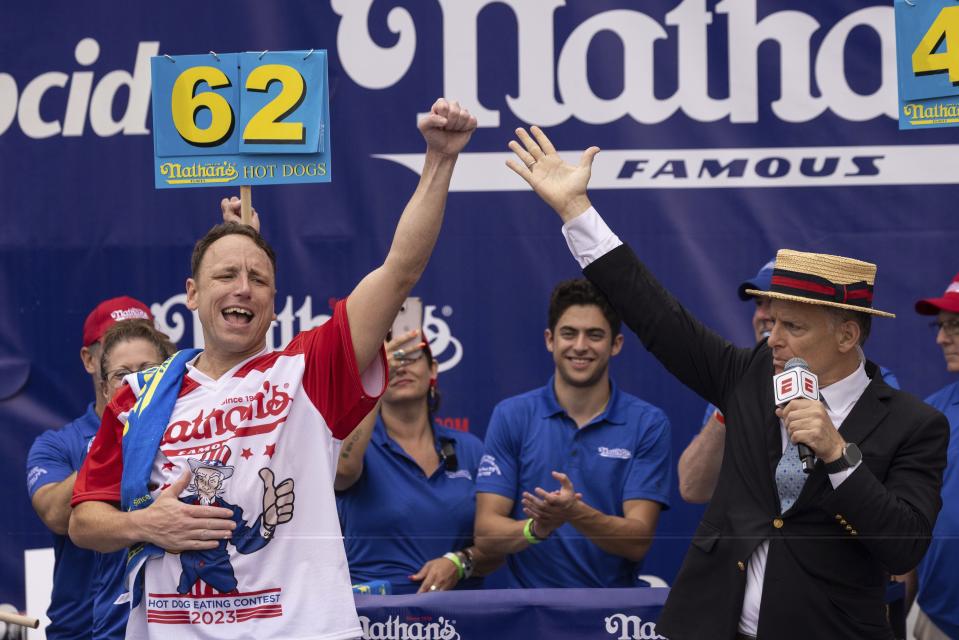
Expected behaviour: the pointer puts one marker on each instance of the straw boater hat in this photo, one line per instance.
(818, 278)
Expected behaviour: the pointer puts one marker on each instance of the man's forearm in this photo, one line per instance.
(485, 563)
(52, 504)
(626, 537)
(700, 463)
(349, 464)
(419, 225)
(498, 535)
(374, 303)
(102, 527)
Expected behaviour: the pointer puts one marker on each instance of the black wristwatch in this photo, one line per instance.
(851, 456)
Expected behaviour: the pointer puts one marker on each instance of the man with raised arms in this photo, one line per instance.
(281, 415)
(779, 554)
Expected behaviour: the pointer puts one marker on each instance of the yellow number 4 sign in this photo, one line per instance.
(927, 61)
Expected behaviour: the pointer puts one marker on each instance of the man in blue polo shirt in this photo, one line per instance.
(938, 617)
(574, 474)
(52, 466)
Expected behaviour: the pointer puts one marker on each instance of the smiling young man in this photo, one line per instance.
(779, 554)
(605, 453)
(278, 418)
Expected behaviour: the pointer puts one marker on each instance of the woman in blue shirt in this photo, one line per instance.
(405, 486)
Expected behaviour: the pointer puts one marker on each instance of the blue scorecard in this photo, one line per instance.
(241, 118)
(927, 63)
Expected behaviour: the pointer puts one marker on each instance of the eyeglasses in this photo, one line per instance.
(116, 376)
(950, 327)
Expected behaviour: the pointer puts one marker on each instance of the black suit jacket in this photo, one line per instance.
(831, 554)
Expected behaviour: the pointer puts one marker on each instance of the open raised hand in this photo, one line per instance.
(561, 185)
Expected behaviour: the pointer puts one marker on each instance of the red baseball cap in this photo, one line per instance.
(948, 302)
(108, 313)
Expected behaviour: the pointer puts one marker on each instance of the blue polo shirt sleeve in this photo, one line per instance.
(498, 468)
(48, 461)
(469, 451)
(710, 410)
(650, 470)
(889, 377)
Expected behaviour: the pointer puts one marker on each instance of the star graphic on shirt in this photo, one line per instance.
(168, 466)
(270, 450)
(247, 454)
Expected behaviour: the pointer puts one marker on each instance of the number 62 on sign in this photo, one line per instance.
(240, 118)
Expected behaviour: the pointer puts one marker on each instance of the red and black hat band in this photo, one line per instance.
(806, 285)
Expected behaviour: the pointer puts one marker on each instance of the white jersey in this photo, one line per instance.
(275, 417)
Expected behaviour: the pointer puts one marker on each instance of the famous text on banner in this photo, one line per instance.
(243, 119)
(927, 60)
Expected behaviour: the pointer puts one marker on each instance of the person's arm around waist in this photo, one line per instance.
(52, 504)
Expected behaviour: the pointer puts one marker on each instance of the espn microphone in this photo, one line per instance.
(797, 381)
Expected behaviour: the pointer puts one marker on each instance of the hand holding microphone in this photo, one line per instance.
(794, 388)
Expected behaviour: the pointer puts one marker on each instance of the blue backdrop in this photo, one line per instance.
(730, 129)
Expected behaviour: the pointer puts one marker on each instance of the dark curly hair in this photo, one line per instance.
(580, 291)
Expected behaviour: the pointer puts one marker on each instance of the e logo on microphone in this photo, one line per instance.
(795, 382)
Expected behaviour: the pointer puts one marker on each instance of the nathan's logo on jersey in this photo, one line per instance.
(260, 413)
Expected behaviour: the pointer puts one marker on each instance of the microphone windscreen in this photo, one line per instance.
(796, 363)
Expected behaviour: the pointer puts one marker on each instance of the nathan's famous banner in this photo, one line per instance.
(729, 129)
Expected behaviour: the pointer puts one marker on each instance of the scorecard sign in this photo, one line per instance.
(240, 118)
(927, 59)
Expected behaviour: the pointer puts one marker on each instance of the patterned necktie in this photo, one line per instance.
(790, 477)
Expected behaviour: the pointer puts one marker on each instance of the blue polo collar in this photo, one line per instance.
(550, 407)
(89, 422)
(382, 439)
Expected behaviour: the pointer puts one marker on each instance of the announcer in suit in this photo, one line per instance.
(779, 554)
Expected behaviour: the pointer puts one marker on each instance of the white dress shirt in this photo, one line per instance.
(589, 238)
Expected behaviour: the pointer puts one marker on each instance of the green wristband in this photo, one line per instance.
(528, 533)
(455, 559)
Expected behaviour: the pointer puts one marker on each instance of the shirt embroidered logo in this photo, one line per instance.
(622, 454)
(488, 467)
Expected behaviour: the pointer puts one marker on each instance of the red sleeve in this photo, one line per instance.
(331, 379)
(99, 477)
